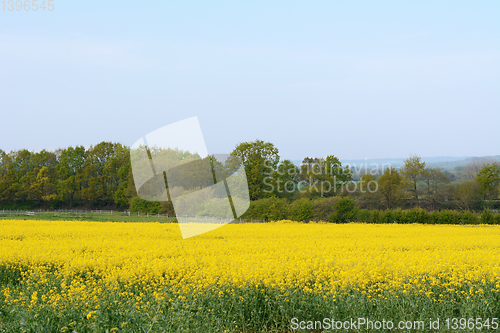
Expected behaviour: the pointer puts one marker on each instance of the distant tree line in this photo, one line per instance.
(96, 177)
(473, 187)
(101, 177)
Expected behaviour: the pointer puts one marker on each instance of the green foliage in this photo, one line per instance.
(363, 215)
(301, 210)
(469, 217)
(323, 177)
(445, 217)
(389, 185)
(345, 210)
(269, 209)
(466, 195)
(69, 177)
(412, 173)
(489, 180)
(375, 216)
(416, 215)
(260, 160)
(285, 180)
(487, 217)
(142, 206)
(323, 208)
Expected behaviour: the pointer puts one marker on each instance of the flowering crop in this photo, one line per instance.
(53, 265)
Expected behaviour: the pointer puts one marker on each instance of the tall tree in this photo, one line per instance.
(489, 180)
(100, 170)
(466, 195)
(285, 179)
(324, 176)
(70, 173)
(389, 185)
(260, 160)
(367, 189)
(412, 173)
(7, 178)
(434, 181)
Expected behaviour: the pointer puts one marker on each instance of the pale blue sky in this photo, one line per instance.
(357, 79)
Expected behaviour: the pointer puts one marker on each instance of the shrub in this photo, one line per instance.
(301, 210)
(398, 216)
(375, 216)
(416, 215)
(468, 217)
(274, 209)
(323, 208)
(447, 216)
(143, 206)
(486, 217)
(345, 210)
(496, 218)
(363, 215)
(386, 216)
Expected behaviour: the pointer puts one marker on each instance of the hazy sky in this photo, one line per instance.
(357, 79)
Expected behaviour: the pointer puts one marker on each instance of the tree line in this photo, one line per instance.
(101, 177)
(66, 178)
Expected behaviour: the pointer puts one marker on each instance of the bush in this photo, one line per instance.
(345, 210)
(301, 210)
(143, 206)
(363, 215)
(468, 217)
(486, 217)
(496, 218)
(269, 209)
(445, 216)
(416, 215)
(323, 208)
(375, 216)
(386, 216)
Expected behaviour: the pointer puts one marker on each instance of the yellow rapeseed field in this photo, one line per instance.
(316, 257)
(73, 276)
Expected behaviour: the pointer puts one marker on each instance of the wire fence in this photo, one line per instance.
(126, 215)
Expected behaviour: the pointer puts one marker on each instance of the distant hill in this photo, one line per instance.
(443, 162)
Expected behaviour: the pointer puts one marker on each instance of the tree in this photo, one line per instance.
(367, 188)
(70, 173)
(100, 170)
(7, 177)
(389, 185)
(470, 170)
(260, 160)
(285, 179)
(434, 181)
(412, 173)
(323, 177)
(301, 210)
(489, 179)
(345, 210)
(466, 195)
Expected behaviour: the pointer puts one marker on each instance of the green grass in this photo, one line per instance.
(94, 217)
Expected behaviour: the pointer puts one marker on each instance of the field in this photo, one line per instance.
(80, 276)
